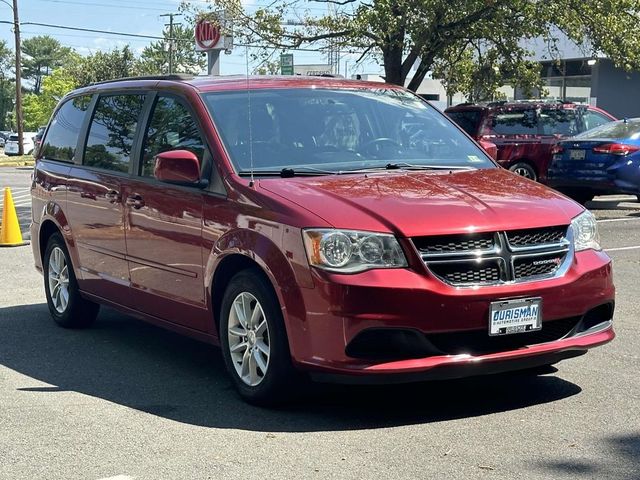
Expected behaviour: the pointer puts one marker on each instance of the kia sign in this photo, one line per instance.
(207, 36)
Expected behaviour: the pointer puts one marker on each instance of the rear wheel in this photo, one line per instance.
(66, 306)
(254, 341)
(524, 170)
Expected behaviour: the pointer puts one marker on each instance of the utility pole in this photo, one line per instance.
(16, 30)
(171, 39)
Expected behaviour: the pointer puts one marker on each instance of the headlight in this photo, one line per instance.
(349, 251)
(585, 232)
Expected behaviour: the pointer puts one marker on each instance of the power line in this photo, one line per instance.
(138, 35)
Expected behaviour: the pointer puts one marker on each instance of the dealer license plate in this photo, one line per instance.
(515, 316)
(577, 154)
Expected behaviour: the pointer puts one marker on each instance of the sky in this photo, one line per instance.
(129, 16)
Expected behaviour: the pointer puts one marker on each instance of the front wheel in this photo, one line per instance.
(66, 305)
(524, 170)
(254, 341)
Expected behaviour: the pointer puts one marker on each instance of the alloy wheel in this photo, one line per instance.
(249, 342)
(524, 172)
(58, 280)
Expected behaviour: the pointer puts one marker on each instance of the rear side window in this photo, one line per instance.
(468, 120)
(594, 119)
(112, 132)
(60, 142)
(522, 122)
(559, 122)
(172, 127)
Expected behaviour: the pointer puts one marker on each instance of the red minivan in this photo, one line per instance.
(336, 229)
(524, 132)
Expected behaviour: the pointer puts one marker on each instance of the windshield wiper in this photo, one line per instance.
(411, 166)
(288, 172)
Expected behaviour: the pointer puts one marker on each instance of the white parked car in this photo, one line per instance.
(11, 145)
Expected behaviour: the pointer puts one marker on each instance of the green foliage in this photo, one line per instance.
(7, 86)
(412, 37)
(37, 109)
(102, 66)
(155, 57)
(41, 55)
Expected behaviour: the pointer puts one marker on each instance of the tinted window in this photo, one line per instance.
(522, 122)
(338, 129)
(171, 128)
(61, 140)
(468, 120)
(614, 130)
(563, 122)
(594, 119)
(112, 130)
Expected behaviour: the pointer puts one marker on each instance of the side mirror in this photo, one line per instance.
(490, 148)
(180, 167)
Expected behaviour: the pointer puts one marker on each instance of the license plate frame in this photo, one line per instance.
(525, 316)
(577, 154)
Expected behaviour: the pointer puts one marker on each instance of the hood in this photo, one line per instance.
(427, 202)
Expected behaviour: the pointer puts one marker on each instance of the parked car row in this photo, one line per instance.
(578, 149)
(30, 141)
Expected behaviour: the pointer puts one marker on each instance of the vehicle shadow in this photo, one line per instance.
(620, 461)
(131, 363)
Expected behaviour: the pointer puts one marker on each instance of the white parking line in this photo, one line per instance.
(621, 248)
(626, 219)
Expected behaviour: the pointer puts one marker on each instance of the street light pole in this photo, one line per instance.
(16, 31)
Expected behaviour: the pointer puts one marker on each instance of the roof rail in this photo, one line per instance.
(175, 77)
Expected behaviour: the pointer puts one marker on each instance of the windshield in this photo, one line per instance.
(614, 130)
(337, 130)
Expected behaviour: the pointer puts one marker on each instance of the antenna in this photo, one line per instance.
(246, 61)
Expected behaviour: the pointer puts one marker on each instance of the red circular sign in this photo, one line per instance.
(207, 34)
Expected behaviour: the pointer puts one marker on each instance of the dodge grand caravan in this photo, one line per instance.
(336, 229)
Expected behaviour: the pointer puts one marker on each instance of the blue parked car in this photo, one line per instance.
(601, 161)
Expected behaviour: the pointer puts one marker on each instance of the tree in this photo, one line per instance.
(41, 55)
(410, 37)
(102, 66)
(7, 86)
(155, 57)
(478, 72)
(38, 108)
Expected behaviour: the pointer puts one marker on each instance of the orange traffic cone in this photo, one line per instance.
(10, 235)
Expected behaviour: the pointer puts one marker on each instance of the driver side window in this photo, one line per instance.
(172, 127)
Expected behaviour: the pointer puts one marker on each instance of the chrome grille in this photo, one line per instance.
(536, 236)
(498, 257)
(455, 243)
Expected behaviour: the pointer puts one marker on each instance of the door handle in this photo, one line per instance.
(112, 196)
(136, 201)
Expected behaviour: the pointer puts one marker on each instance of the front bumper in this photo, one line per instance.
(340, 307)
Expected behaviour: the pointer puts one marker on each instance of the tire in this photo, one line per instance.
(75, 311)
(264, 379)
(524, 170)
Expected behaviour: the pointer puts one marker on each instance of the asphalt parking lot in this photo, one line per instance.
(128, 400)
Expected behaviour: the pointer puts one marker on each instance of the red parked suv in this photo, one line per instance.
(525, 132)
(336, 228)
